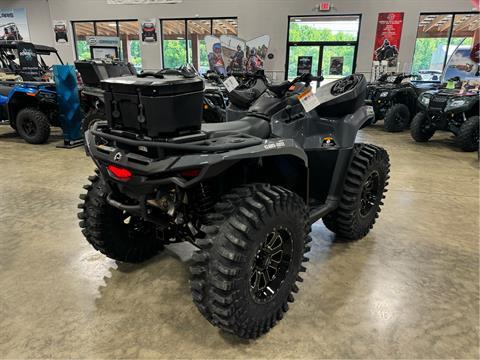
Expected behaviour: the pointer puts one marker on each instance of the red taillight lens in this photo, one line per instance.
(119, 173)
(190, 173)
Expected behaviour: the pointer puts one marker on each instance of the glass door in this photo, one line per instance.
(302, 59)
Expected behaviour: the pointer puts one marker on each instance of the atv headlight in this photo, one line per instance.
(384, 94)
(453, 103)
(425, 100)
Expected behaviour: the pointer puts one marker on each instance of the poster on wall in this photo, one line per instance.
(233, 51)
(387, 39)
(14, 25)
(149, 30)
(257, 51)
(336, 65)
(304, 65)
(60, 31)
(214, 54)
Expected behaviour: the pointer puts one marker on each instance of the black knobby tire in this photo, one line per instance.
(397, 118)
(419, 129)
(226, 280)
(467, 137)
(363, 192)
(112, 232)
(32, 125)
(92, 117)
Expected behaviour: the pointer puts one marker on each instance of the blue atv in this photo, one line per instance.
(31, 108)
(30, 103)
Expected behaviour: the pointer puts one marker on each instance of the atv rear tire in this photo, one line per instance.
(92, 117)
(397, 118)
(251, 253)
(467, 137)
(32, 125)
(112, 232)
(363, 192)
(418, 129)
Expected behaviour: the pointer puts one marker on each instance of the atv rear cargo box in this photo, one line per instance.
(94, 71)
(155, 107)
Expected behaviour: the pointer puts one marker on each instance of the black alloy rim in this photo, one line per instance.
(29, 127)
(369, 197)
(271, 265)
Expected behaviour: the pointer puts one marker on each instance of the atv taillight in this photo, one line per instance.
(119, 173)
(190, 173)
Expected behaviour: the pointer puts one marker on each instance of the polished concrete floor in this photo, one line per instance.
(410, 289)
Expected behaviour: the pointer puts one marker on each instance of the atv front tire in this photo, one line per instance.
(363, 192)
(467, 137)
(397, 118)
(32, 125)
(250, 255)
(112, 232)
(419, 128)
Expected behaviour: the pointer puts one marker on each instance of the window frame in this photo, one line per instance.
(73, 22)
(185, 21)
(450, 31)
(321, 44)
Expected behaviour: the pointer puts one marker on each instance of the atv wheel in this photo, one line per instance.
(468, 134)
(251, 253)
(419, 129)
(396, 118)
(363, 191)
(113, 232)
(92, 117)
(32, 125)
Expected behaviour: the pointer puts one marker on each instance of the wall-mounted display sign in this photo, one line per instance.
(149, 30)
(14, 25)
(60, 31)
(336, 65)
(387, 40)
(232, 54)
(103, 47)
(304, 65)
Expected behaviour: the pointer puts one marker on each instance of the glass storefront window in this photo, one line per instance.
(324, 28)
(81, 31)
(180, 48)
(174, 45)
(197, 49)
(128, 32)
(130, 42)
(438, 38)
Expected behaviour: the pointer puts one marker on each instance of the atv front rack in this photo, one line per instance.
(199, 142)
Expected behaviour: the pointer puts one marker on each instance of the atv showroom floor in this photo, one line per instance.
(408, 290)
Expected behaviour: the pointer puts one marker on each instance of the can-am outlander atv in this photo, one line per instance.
(245, 192)
(394, 99)
(452, 110)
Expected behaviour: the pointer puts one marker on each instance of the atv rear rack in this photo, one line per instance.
(205, 144)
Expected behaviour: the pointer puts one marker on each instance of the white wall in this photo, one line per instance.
(255, 17)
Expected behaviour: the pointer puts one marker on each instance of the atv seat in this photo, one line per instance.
(249, 125)
(5, 90)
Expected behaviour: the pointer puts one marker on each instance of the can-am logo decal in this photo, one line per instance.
(118, 156)
(28, 54)
(277, 145)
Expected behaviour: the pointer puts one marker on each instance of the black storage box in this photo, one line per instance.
(94, 71)
(155, 107)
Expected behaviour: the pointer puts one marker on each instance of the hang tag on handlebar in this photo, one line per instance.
(231, 83)
(308, 100)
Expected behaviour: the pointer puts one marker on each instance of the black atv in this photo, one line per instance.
(393, 100)
(245, 192)
(92, 72)
(216, 99)
(451, 110)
